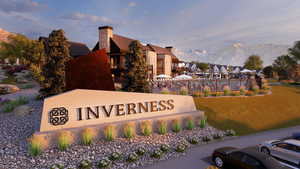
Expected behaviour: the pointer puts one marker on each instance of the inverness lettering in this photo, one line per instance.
(87, 113)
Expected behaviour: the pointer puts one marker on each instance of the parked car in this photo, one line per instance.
(287, 150)
(296, 136)
(248, 158)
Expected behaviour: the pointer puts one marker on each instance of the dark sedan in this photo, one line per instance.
(248, 158)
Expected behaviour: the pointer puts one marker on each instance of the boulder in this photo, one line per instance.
(23, 110)
(8, 88)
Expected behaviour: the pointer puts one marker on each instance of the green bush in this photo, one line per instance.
(193, 140)
(165, 91)
(27, 86)
(176, 126)
(57, 166)
(11, 105)
(202, 122)
(164, 148)
(157, 153)
(180, 148)
(183, 91)
(206, 91)
(190, 123)
(146, 128)
(87, 136)
(242, 90)
(110, 132)
(235, 94)
(129, 130)
(85, 164)
(132, 157)
(104, 163)
(226, 90)
(141, 151)
(255, 89)
(64, 140)
(115, 156)
(162, 127)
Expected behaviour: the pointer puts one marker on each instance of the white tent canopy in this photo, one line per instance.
(236, 70)
(183, 77)
(247, 71)
(163, 76)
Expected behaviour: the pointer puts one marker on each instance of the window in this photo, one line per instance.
(237, 155)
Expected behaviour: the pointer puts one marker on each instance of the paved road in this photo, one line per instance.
(199, 157)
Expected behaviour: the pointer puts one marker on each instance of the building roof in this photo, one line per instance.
(75, 48)
(164, 51)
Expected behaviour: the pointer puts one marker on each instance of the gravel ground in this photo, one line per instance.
(16, 129)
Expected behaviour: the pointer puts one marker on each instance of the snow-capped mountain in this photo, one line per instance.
(234, 54)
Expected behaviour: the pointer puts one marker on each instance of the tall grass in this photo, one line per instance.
(176, 126)
(129, 130)
(190, 123)
(202, 122)
(64, 140)
(184, 91)
(206, 91)
(36, 145)
(162, 127)
(87, 136)
(11, 105)
(165, 91)
(110, 132)
(226, 90)
(242, 90)
(146, 128)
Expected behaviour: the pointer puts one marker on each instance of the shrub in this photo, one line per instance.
(110, 132)
(206, 91)
(36, 145)
(193, 140)
(184, 91)
(165, 91)
(11, 105)
(250, 93)
(202, 122)
(164, 148)
(242, 90)
(85, 164)
(226, 90)
(87, 136)
(180, 148)
(115, 156)
(255, 89)
(218, 135)
(162, 127)
(230, 132)
(197, 94)
(141, 151)
(235, 93)
(207, 138)
(176, 126)
(132, 157)
(190, 123)
(104, 163)
(27, 86)
(146, 128)
(64, 140)
(157, 153)
(57, 166)
(129, 130)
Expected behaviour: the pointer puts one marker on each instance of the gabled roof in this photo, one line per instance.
(75, 48)
(160, 50)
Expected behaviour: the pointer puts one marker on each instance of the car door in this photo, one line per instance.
(292, 153)
(235, 160)
(252, 163)
(279, 151)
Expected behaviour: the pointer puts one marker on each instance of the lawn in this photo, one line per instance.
(248, 115)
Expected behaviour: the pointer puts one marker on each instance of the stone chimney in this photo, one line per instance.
(105, 33)
(170, 48)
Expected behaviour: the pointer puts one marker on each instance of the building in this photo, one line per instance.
(159, 60)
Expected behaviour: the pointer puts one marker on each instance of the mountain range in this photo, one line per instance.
(234, 54)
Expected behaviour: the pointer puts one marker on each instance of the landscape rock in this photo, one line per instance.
(23, 110)
(8, 88)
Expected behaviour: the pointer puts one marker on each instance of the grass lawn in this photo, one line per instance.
(248, 115)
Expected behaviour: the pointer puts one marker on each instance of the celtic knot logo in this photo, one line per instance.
(58, 116)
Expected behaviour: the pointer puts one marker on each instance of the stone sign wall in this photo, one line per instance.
(80, 108)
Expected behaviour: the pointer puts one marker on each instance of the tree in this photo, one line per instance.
(254, 62)
(294, 52)
(135, 77)
(268, 71)
(202, 66)
(54, 68)
(284, 65)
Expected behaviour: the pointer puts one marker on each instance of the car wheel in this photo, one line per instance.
(265, 150)
(219, 162)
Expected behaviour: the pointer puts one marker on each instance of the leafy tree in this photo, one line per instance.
(295, 51)
(135, 77)
(268, 71)
(254, 62)
(54, 68)
(202, 66)
(284, 65)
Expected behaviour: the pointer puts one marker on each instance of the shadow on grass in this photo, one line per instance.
(238, 127)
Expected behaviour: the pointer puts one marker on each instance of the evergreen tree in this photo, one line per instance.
(254, 62)
(135, 77)
(54, 68)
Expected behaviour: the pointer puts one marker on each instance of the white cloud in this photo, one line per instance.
(132, 4)
(92, 18)
(19, 6)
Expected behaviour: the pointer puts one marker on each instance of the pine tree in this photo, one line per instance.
(54, 68)
(135, 78)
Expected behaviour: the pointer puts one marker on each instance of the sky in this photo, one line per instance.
(183, 24)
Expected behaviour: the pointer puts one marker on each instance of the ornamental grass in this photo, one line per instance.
(37, 144)
(146, 127)
(206, 91)
(162, 127)
(64, 140)
(226, 90)
(190, 124)
(129, 130)
(242, 90)
(87, 136)
(110, 132)
(176, 125)
(165, 91)
(184, 91)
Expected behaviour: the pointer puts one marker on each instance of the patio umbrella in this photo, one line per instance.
(163, 76)
(246, 71)
(183, 77)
